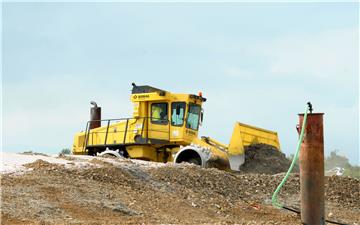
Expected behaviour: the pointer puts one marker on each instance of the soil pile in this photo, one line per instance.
(131, 193)
(41, 164)
(254, 187)
(266, 159)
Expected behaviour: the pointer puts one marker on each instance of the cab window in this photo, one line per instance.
(192, 120)
(177, 113)
(159, 113)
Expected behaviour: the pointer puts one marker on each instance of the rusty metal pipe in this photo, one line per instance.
(95, 116)
(312, 170)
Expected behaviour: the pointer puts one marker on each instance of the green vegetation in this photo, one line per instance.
(352, 171)
(30, 152)
(65, 151)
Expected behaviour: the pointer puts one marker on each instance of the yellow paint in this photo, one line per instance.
(255, 135)
(142, 152)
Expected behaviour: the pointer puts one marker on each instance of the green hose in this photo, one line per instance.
(275, 203)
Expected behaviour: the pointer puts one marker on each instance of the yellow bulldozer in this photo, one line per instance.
(164, 128)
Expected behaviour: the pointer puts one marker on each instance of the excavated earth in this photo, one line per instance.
(261, 158)
(118, 191)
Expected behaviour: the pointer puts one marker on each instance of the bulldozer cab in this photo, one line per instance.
(169, 117)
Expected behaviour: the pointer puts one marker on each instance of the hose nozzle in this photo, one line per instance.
(310, 107)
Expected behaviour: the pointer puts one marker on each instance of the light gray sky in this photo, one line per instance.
(257, 63)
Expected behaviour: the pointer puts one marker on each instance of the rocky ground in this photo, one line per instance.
(121, 191)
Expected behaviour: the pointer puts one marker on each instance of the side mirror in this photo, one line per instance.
(201, 116)
(177, 110)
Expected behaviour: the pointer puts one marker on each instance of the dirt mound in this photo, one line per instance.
(254, 187)
(168, 194)
(266, 159)
(41, 164)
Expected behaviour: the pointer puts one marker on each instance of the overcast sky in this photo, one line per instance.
(256, 63)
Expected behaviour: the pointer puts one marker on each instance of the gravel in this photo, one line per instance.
(114, 191)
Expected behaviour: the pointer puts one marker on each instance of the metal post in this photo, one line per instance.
(126, 128)
(86, 136)
(107, 131)
(312, 170)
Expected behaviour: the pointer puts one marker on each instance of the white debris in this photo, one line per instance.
(14, 162)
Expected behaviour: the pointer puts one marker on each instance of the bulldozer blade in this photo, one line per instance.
(236, 161)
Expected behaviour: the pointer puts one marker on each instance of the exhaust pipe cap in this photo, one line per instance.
(94, 104)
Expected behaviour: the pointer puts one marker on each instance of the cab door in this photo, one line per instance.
(177, 116)
(158, 122)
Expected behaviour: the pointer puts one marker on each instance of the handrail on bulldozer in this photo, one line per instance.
(87, 129)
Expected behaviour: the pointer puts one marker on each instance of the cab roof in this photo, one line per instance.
(144, 89)
(149, 89)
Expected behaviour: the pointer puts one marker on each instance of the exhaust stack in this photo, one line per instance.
(95, 115)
